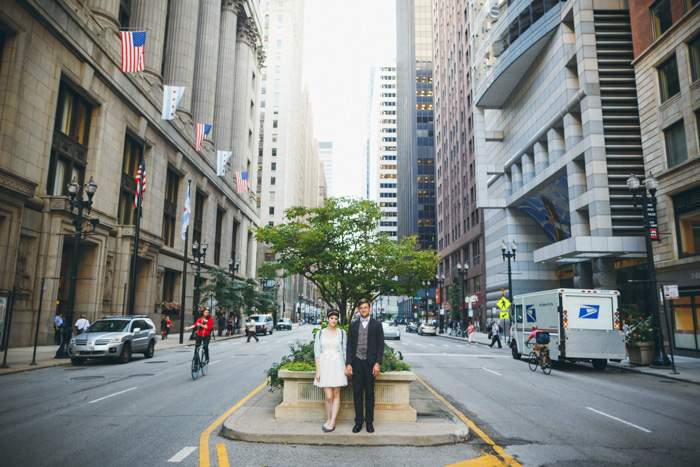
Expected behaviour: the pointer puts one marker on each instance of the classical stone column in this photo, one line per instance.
(206, 62)
(516, 177)
(180, 50)
(528, 167)
(555, 144)
(106, 11)
(151, 15)
(573, 132)
(246, 63)
(541, 156)
(223, 107)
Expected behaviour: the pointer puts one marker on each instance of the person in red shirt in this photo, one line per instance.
(204, 326)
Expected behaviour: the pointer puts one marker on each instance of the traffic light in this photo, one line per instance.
(415, 307)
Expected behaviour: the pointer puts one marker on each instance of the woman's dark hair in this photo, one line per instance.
(332, 312)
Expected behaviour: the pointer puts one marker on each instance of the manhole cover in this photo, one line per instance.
(142, 374)
(86, 378)
(158, 361)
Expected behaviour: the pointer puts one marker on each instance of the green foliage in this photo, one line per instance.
(393, 361)
(302, 354)
(298, 366)
(642, 331)
(337, 247)
(234, 295)
(454, 296)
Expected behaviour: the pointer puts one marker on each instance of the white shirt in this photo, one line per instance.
(82, 324)
(364, 322)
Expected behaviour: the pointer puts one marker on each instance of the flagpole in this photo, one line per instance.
(139, 190)
(184, 278)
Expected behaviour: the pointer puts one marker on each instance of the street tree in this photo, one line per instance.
(234, 295)
(338, 248)
(454, 296)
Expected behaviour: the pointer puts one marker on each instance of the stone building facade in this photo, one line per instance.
(666, 36)
(68, 111)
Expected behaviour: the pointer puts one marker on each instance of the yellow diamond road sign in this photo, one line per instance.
(503, 304)
(504, 315)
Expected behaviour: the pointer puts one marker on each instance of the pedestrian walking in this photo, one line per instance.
(163, 328)
(495, 333)
(58, 326)
(363, 356)
(250, 330)
(329, 354)
(82, 324)
(229, 326)
(168, 325)
(222, 323)
(470, 335)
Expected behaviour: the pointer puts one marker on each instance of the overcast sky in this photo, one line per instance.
(343, 40)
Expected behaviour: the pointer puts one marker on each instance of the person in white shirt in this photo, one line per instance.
(82, 324)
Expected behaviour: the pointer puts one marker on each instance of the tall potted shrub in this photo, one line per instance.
(640, 342)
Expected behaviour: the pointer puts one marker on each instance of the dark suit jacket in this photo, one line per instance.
(375, 341)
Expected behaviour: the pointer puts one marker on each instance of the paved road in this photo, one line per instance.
(150, 412)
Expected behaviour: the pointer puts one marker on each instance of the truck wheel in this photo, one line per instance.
(514, 351)
(599, 363)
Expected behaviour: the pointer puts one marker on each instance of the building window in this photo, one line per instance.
(69, 144)
(198, 218)
(169, 281)
(668, 79)
(217, 236)
(687, 209)
(676, 151)
(273, 166)
(130, 164)
(661, 17)
(273, 181)
(274, 152)
(170, 207)
(688, 4)
(275, 124)
(272, 210)
(694, 52)
(476, 253)
(124, 13)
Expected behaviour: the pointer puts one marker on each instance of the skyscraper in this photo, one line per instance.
(414, 112)
(325, 157)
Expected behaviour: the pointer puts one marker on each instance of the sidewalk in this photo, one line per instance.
(688, 368)
(20, 358)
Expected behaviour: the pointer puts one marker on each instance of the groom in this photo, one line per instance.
(363, 355)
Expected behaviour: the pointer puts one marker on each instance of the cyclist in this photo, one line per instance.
(204, 326)
(538, 339)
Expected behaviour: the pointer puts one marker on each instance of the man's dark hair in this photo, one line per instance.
(361, 301)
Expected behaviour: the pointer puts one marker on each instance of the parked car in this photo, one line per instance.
(284, 323)
(263, 323)
(391, 331)
(426, 328)
(412, 327)
(116, 337)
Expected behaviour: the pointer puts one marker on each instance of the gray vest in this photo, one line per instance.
(362, 338)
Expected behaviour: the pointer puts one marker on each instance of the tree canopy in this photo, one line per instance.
(338, 248)
(234, 295)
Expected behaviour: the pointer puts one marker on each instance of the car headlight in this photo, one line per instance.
(72, 340)
(115, 340)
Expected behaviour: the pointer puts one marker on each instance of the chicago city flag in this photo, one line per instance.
(171, 99)
(222, 158)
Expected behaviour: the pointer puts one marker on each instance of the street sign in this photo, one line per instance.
(651, 218)
(671, 292)
(504, 315)
(503, 304)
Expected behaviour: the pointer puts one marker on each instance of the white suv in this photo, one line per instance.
(263, 323)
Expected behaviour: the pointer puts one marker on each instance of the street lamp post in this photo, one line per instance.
(298, 310)
(439, 282)
(76, 201)
(462, 276)
(659, 359)
(232, 270)
(509, 255)
(198, 261)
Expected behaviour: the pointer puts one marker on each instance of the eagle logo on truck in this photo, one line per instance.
(530, 313)
(589, 311)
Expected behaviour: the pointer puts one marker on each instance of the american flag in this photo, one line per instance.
(241, 182)
(132, 50)
(202, 131)
(140, 184)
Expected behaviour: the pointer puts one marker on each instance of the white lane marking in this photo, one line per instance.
(290, 342)
(420, 345)
(217, 361)
(619, 419)
(184, 452)
(111, 395)
(431, 345)
(446, 345)
(491, 371)
(445, 354)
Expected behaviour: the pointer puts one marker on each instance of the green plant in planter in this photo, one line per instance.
(643, 331)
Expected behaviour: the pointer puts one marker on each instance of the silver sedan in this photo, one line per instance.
(391, 331)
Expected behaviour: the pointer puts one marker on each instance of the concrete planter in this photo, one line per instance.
(301, 400)
(640, 353)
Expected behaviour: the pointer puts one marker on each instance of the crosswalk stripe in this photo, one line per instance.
(184, 452)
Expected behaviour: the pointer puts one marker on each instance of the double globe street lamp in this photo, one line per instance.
(76, 201)
(509, 255)
(462, 277)
(439, 282)
(651, 232)
(199, 255)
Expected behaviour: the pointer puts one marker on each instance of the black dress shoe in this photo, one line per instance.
(370, 427)
(357, 428)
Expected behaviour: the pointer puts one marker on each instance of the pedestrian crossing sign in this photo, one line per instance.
(503, 304)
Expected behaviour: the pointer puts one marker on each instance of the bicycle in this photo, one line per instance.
(199, 362)
(534, 360)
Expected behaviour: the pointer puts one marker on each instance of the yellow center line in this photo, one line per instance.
(222, 454)
(472, 426)
(204, 437)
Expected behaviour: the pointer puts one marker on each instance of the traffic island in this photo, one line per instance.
(424, 421)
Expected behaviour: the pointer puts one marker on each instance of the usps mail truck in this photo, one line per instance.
(583, 325)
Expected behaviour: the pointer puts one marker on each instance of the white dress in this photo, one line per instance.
(330, 363)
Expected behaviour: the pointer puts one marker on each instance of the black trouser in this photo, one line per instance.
(252, 333)
(363, 381)
(58, 335)
(204, 340)
(496, 338)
